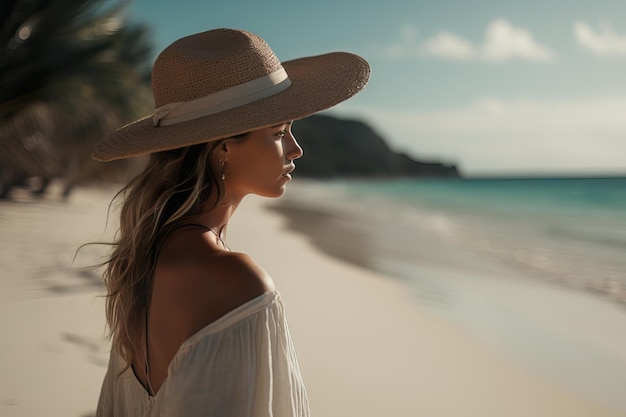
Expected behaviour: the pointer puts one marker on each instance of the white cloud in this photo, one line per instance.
(604, 42)
(502, 42)
(496, 135)
(448, 45)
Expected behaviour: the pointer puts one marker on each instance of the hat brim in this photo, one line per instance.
(317, 83)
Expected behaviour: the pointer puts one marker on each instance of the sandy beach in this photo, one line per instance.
(366, 346)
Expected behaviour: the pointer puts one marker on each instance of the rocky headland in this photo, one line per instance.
(337, 147)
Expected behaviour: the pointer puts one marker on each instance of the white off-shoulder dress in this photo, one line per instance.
(242, 365)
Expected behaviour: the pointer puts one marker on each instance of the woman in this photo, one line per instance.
(198, 329)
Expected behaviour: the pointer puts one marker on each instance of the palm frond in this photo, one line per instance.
(70, 70)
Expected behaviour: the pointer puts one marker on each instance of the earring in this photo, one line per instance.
(223, 174)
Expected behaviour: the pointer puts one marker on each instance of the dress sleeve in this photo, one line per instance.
(247, 369)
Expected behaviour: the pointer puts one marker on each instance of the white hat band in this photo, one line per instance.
(230, 98)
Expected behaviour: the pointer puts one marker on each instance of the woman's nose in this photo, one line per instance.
(292, 148)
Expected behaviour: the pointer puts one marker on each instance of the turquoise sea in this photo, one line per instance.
(571, 231)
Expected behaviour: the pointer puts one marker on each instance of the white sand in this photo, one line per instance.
(52, 355)
(366, 349)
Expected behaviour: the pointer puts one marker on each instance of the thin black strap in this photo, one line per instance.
(195, 224)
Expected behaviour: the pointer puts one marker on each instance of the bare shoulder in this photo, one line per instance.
(242, 273)
(196, 283)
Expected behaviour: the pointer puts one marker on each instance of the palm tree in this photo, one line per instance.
(70, 70)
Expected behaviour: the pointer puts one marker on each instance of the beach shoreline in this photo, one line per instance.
(365, 346)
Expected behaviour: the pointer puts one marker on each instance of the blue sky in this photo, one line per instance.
(497, 87)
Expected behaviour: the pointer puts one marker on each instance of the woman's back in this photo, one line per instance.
(196, 282)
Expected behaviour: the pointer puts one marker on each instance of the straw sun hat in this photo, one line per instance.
(224, 82)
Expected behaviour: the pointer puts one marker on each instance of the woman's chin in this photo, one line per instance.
(274, 193)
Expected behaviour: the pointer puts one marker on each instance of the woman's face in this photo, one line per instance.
(260, 163)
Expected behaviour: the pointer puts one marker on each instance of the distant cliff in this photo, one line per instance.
(350, 148)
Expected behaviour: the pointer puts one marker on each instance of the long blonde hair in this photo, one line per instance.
(174, 186)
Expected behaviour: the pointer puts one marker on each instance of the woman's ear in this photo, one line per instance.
(220, 150)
